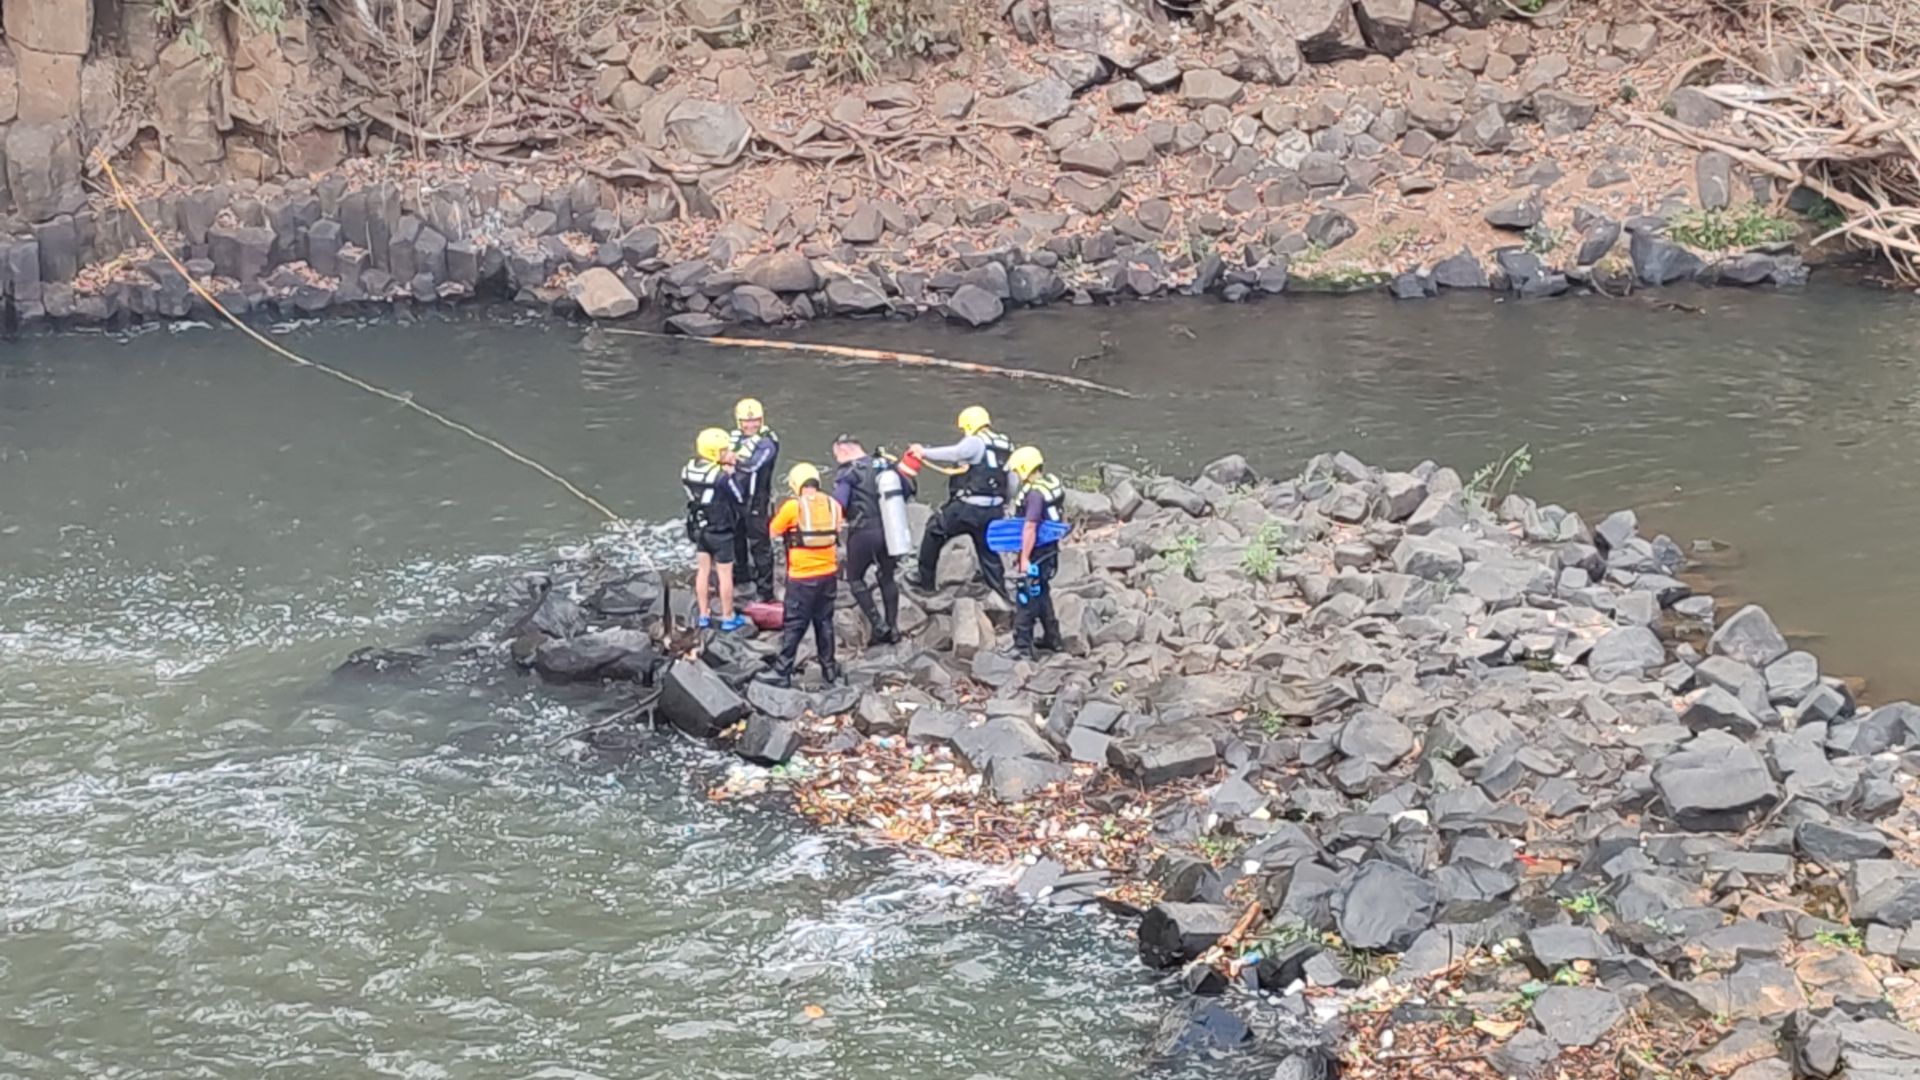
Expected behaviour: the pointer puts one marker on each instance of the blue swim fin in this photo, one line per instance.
(1004, 535)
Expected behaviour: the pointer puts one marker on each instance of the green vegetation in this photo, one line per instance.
(1391, 242)
(1628, 92)
(1262, 558)
(1721, 230)
(1218, 849)
(1487, 479)
(1086, 481)
(1848, 938)
(1586, 903)
(1826, 215)
(1541, 239)
(1184, 551)
(851, 39)
(1270, 720)
(1566, 976)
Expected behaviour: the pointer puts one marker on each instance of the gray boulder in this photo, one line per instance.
(1577, 1015)
(1750, 637)
(602, 654)
(1385, 906)
(767, 741)
(1172, 934)
(974, 306)
(1630, 651)
(1159, 755)
(696, 700)
(1721, 786)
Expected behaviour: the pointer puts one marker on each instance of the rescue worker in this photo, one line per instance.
(713, 516)
(975, 496)
(809, 526)
(756, 449)
(857, 488)
(1040, 497)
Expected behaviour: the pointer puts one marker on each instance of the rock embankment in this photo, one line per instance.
(1387, 770)
(1100, 150)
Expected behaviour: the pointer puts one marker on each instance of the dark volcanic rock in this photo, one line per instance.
(1172, 934)
(1163, 754)
(602, 654)
(1721, 786)
(1385, 907)
(697, 701)
(1577, 1015)
(767, 741)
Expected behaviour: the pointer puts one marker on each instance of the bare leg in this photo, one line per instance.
(726, 594)
(703, 584)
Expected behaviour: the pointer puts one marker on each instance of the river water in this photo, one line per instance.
(217, 861)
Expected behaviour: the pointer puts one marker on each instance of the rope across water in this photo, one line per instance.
(126, 201)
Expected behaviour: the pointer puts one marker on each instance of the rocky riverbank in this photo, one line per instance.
(1096, 151)
(1401, 776)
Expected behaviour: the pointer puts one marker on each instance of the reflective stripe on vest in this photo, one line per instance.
(1050, 488)
(701, 479)
(744, 447)
(819, 521)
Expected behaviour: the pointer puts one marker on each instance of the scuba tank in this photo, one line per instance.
(893, 511)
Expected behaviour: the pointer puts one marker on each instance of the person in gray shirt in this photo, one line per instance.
(976, 496)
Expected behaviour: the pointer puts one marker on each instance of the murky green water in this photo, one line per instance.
(216, 861)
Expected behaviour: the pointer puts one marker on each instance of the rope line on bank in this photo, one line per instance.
(886, 356)
(126, 201)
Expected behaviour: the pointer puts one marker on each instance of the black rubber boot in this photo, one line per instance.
(830, 674)
(778, 675)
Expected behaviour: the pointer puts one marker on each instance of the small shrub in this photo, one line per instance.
(1586, 903)
(1262, 556)
(1487, 479)
(1720, 230)
(1848, 938)
(1542, 239)
(1219, 849)
(1185, 550)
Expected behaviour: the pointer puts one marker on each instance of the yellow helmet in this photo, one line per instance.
(748, 409)
(973, 419)
(801, 475)
(1025, 461)
(712, 443)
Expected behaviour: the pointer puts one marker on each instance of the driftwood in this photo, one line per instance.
(889, 356)
(1846, 125)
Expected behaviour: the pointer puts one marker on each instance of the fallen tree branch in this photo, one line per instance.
(889, 356)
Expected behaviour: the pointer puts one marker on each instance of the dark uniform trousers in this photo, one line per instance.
(961, 518)
(1039, 605)
(753, 553)
(809, 604)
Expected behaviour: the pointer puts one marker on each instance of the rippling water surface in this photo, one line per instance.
(217, 860)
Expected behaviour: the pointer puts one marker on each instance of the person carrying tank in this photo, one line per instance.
(809, 526)
(875, 495)
(756, 449)
(713, 518)
(1041, 494)
(975, 496)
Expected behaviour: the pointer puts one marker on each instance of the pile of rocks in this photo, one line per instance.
(1426, 732)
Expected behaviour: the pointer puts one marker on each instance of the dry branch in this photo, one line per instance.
(1847, 126)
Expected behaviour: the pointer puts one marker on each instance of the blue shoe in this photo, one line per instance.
(733, 624)
(705, 623)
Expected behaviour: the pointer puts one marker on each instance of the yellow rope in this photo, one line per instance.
(126, 201)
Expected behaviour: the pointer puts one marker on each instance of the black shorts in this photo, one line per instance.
(717, 544)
